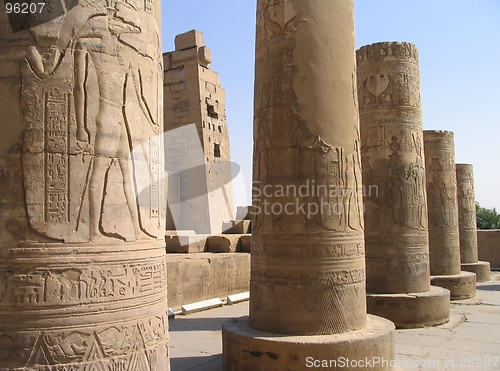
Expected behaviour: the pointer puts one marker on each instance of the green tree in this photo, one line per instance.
(487, 218)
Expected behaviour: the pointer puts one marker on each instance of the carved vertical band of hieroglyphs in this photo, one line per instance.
(57, 155)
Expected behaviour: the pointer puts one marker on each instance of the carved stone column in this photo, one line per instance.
(444, 243)
(82, 266)
(307, 296)
(468, 225)
(396, 235)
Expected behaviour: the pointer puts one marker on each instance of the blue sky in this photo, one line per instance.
(459, 49)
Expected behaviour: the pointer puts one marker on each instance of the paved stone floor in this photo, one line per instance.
(470, 341)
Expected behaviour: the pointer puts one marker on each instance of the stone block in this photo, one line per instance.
(187, 244)
(481, 269)
(238, 298)
(413, 310)
(190, 39)
(275, 352)
(243, 212)
(461, 286)
(236, 227)
(227, 243)
(245, 242)
(202, 305)
(204, 56)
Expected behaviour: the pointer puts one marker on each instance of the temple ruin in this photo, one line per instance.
(308, 271)
(392, 156)
(82, 263)
(444, 242)
(468, 225)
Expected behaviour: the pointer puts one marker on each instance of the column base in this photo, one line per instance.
(481, 269)
(248, 349)
(461, 286)
(413, 310)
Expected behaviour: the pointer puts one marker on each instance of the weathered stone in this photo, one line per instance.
(260, 350)
(444, 241)
(198, 161)
(82, 217)
(245, 242)
(392, 156)
(197, 277)
(308, 271)
(236, 227)
(482, 270)
(467, 213)
(413, 310)
(188, 40)
(393, 168)
(238, 298)
(201, 306)
(488, 250)
(468, 224)
(244, 213)
(224, 243)
(461, 286)
(186, 244)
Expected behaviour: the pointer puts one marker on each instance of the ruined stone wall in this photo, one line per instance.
(193, 94)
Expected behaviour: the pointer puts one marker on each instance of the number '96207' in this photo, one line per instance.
(24, 8)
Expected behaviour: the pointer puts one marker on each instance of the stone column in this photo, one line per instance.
(468, 225)
(396, 235)
(82, 264)
(307, 295)
(444, 243)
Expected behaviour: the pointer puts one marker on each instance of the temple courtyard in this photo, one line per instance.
(469, 341)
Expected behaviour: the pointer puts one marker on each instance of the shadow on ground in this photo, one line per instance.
(488, 287)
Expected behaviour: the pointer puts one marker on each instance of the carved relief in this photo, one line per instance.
(44, 287)
(405, 184)
(396, 217)
(466, 197)
(338, 181)
(74, 135)
(297, 147)
(88, 82)
(139, 346)
(276, 19)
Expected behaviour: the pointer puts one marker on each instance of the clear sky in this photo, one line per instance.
(459, 50)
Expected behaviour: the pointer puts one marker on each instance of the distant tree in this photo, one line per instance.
(487, 218)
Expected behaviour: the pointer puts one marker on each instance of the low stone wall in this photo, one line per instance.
(196, 277)
(488, 244)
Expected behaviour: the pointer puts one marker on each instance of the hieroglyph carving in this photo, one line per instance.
(392, 148)
(79, 285)
(467, 202)
(90, 91)
(441, 191)
(142, 346)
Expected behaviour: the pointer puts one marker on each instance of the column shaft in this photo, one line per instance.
(467, 213)
(82, 265)
(308, 272)
(397, 249)
(444, 243)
